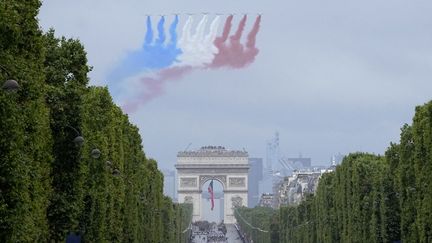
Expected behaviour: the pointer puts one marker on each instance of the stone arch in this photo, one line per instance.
(228, 167)
(188, 199)
(221, 178)
(237, 201)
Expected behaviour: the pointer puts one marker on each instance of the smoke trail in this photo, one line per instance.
(153, 55)
(194, 51)
(199, 36)
(207, 50)
(226, 31)
(219, 42)
(233, 54)
(173, 31)
(251, 39)
(159, 55)
(235, 49)
(186, 31)
(149, 33)
(172, 45)
(214, 26)
(161, 31)
(155, 86)
(210, 39)
(236, 37)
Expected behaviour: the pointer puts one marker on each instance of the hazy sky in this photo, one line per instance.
(331, 76)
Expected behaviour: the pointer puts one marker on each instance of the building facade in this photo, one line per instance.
(266, 200)
(293, 189)
(229, 167)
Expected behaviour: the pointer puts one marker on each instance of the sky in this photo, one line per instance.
(331, 76)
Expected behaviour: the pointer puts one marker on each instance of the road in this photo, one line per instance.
(216, 236)
(232, 234)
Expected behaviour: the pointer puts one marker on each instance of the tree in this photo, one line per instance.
(50, 186)
(25, 136)
(371, 198)
(66, 77)
(256, 222)
(422, 161)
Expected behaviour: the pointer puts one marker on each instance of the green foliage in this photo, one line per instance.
(50, 186)
(183, 219)
(25, 136)
(256, 223)
(66, 77)
(372, 198)
(347, 207)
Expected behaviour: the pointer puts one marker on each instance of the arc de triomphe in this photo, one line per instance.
(229, 167)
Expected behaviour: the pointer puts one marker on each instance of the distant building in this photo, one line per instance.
(293, 189)
(266, 183)
(289, 165)
(195, 168)
(266, 200)
(301, 162)
(255, 176)
(169, 183)
(337, 159)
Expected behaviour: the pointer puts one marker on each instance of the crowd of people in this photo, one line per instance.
(205, 232)
(216, 237)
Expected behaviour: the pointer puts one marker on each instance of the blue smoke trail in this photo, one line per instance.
(149, 33)
(161, 31)
(174, 52)
(172, 30)
(154, 55)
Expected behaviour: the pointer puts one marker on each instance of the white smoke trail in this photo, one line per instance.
(210, 38)
(199, 35)
(186, 33)
(198, 49)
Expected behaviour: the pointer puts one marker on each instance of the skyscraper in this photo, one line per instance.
(169, 183)
(255, 176)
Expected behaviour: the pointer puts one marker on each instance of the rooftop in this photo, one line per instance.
(213, 151)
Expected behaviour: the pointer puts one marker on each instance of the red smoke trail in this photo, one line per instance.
(219, 59)
(219, 41)
(236, 37)
(251, 39)
(154, 86)
(234, 54)
(250, 52)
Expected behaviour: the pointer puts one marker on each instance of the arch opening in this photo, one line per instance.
(217, 214)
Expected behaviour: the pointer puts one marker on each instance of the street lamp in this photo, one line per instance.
(78, 140)
(95, 153)
(9, 85)
(116, 173)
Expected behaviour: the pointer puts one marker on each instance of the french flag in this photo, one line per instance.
(210, 190)
(143, 74)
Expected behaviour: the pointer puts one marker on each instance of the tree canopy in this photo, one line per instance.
(372, 198)
(50, 186)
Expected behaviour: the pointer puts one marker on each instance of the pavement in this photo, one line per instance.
(232, 234)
